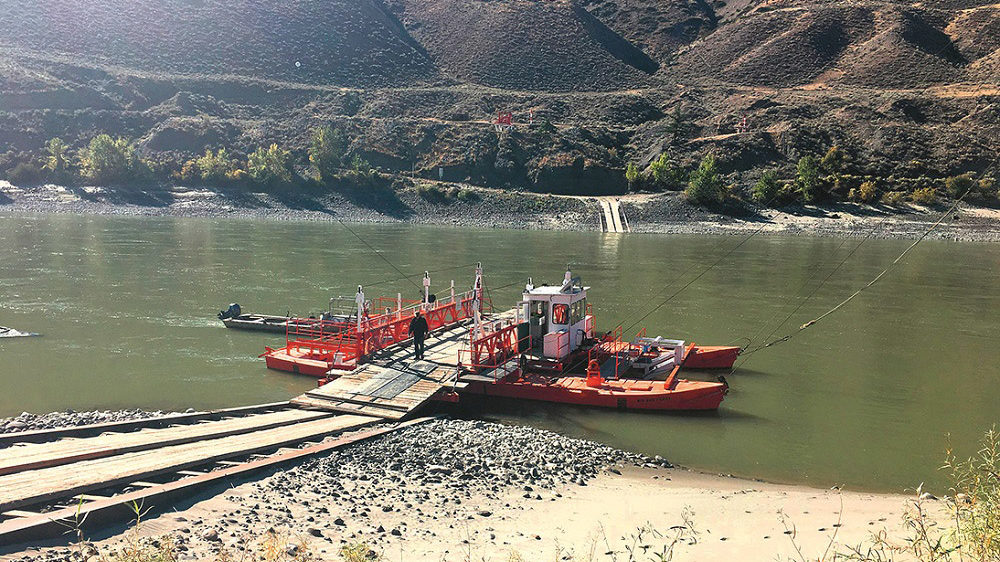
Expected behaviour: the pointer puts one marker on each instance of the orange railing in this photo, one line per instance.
(611, 346)
(493, 350)
(345, 342)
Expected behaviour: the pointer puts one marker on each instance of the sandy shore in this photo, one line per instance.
(492, 208)
(699, 516)
(468, 490)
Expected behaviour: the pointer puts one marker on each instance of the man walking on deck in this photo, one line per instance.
(419, 329)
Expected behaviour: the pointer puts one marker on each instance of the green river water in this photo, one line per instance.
(869, 398)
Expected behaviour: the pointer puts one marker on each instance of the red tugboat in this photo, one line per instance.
(544, 349)
(547, 350)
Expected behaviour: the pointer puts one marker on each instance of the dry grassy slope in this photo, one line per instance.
(524, 44)
(871, 44)
(908, 87)
(351, 42)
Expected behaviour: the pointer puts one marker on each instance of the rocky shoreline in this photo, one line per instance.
(26, 421)
(666, 213)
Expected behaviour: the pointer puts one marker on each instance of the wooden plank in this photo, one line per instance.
(40, 455)
(20, 513)
(88, 497)
(34, 486)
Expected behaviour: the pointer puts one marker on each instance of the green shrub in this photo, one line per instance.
(57, 161)
(431, 193)
(25, 173)
(327, 150)
(979, 191)
(894, 198)
(665, 174)
(957, 186)
(109, 160)
(270, 166)
(767, 189)
(924, 196)
(214, 168)
(632, 175)
(468, 196)
(987, 191)
(706, 186)
(833, 161)
(808, 180)
(867, 192)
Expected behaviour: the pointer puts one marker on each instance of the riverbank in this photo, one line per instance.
(470, 490)
(650, 213)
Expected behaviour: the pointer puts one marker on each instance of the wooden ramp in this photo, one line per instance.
(34, 486)
(30, 456)
(393, 384)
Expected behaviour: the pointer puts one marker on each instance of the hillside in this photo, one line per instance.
(909, 90)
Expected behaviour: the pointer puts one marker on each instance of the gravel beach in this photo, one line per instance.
(491, 208)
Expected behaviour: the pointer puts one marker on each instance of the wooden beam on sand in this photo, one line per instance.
(116, 509)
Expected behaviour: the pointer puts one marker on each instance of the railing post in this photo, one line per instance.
(427, 289)
(360, 300)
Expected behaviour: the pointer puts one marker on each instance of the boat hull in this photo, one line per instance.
(279, 360)
(258, 323)
(711, 357)
(623, 395)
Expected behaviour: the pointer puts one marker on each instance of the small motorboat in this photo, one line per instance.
(6, 332)
(233, 317)
(258, 323)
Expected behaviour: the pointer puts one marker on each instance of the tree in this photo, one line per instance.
(678, 124)
(57, 161)
(957, 186)
(767, 188)
(867, 192)
(215, 168)
(270, 166)
(631, 174)
(326, 151)
(833, 161)
(111, 160)
(808, 179)
(665, 174)
(706, 186)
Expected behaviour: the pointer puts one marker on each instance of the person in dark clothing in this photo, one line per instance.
(419, 329)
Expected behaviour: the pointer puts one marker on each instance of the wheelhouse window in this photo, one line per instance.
(579, 311)
(560, 314)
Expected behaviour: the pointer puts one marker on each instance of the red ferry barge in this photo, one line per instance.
(545, 348)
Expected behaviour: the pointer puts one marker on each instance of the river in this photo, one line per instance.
(869, 398)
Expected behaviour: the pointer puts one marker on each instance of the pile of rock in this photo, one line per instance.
(30, 422)
(472, 455)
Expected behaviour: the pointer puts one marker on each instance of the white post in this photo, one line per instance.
(360, 300)
(477, 302)
(399, 305)
(453, 291)
(427, 288)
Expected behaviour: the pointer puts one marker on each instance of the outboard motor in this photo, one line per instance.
(233, 311)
